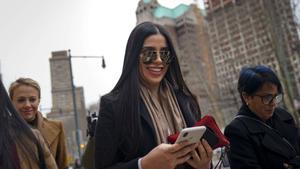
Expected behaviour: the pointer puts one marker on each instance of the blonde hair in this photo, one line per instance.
(24, 81)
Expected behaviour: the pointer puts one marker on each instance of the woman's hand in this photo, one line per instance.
(168, 156)
(201, 157)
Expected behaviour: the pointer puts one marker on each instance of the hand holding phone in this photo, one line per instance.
(213, 135)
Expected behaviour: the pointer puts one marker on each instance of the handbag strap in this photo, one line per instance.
(267, 126)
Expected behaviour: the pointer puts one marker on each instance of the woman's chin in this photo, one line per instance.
(29, 118)
(268, 114)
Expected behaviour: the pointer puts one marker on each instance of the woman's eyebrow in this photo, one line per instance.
(266, 93)
(148, 47)
(164, 48)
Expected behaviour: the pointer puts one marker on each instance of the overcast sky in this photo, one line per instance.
(31, 29)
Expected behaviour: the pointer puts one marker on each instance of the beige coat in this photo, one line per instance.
(29, 163)
(54, 136)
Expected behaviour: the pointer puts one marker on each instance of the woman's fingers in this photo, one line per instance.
(180, 152)
(183, 159)
(186, 150)
(201, 157)
(207, 148)
(178, 146)
(195, 154)
(201, 151)
(194, 158)
(204, 149)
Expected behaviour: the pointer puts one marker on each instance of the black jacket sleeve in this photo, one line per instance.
(107, 141)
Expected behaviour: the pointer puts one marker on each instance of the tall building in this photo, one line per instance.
(187, 28)
(253, 32)
(62, 99)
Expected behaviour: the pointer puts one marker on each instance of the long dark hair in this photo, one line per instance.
(16, 134)
(128, 84)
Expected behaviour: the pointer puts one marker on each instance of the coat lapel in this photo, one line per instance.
(145, 115)
(186, 110)
(273, 142)
(48, 131)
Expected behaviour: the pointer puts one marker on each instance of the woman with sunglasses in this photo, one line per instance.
(20, 146)
(150, 102)
(262, 135)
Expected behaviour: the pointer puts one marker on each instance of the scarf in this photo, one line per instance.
(164, 111)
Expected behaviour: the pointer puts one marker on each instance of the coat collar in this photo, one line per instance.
(145, 115)
(253, 127)
(48, 130)
(271, 138)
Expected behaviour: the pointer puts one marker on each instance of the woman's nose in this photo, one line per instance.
(158, 57)
(27, 103)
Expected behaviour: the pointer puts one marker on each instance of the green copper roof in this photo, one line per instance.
(147, 1)
(161, 11)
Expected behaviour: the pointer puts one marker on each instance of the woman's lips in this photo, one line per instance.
(155, 70)
(27, 112)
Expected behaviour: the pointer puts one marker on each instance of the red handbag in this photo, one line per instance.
(213, 134)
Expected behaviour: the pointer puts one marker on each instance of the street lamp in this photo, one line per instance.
(74, 95)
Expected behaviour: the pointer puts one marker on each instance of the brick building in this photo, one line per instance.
(253, 32)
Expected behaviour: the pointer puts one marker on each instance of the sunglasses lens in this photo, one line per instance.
(148, 56)
(165, 56)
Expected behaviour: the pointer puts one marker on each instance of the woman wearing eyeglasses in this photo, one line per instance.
(150, 102)
(262, 135)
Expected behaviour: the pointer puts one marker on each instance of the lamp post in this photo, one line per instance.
(74, 95)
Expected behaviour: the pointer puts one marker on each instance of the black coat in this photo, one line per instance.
(109, 151)
(255, 146)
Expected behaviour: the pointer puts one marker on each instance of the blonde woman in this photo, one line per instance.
(25, 94)
(20, 146)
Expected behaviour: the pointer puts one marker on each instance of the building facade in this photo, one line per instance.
(253, 32)
(62, 100)
(187, 28)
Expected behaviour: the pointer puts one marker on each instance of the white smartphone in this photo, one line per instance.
(191, 134)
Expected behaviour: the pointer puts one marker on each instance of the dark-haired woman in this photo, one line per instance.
(262, 135)
(149, 102)
(20, 146)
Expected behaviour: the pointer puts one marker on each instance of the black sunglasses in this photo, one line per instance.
(149, 55)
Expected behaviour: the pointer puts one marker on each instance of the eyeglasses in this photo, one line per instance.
(267, 99)
(149, 55)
